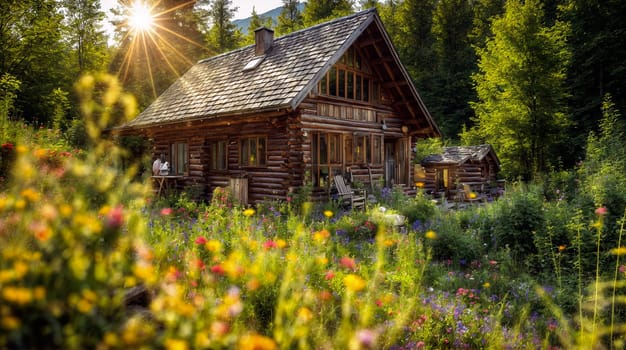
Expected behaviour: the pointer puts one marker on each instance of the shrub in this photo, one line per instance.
(518, 218)
(420, 208)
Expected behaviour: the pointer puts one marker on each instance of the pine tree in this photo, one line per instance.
(598, 60)
(317, 11)
(520, 85)
(256, 22)
(222, 35)
(455, 63)
(290, 18)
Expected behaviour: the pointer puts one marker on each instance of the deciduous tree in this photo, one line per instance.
(521, 94)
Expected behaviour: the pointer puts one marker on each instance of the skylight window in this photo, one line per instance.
(254, 63)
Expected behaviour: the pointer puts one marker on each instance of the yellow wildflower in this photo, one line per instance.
(66, 210)
(20, 268)
(17, 295)
(40, 153)
(618, 251)
(248, 212)
(328, 213)
(104, 210)
(321, 235)
(472, 195)
(354, 283)
(10, 322)
(291, 256)
(213, 246)
(111, 339)
(281, 243)
(304, 314)
(430, 234)
(30, 194)
(39, 293)
(486, 285)
(321, 260)
(256, 342)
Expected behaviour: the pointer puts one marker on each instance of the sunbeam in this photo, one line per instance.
(152, 38)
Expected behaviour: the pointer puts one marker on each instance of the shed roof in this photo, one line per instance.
(457, 155)
(219, 86)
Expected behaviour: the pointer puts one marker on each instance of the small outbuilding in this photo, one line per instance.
(457, 167)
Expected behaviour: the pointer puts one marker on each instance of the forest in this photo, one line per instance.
(528, 77)
(91, 258)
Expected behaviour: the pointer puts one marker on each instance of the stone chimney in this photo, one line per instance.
(263, 38)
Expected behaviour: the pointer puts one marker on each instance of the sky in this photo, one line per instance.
(244, 6)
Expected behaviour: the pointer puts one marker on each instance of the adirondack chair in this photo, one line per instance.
(346, 194)
(471, 196)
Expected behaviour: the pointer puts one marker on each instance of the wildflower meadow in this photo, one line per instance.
(90, 259)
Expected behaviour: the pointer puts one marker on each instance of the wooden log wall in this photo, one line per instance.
(283, 168)
(321, 115)
(288, 151)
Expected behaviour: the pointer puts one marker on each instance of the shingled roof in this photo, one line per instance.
(219, 86)
(457, 155)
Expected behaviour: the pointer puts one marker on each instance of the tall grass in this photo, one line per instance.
(91, 260)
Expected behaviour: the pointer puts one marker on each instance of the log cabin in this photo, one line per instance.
(446, 173)
(298, 109)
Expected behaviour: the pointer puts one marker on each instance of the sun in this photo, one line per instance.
(140, 17)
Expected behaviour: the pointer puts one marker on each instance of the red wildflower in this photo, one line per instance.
(115, 217)
(269, 244)
(166, 211)
(201, 240)
(200, 264)
(347, 263)
(601, 211)
(218, 269)
(329, 275)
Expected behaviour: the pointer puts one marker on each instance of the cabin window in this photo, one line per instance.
(252, 151)
(218, 155)
(179, 162)
(363, 149)
(348, 79)
(326, 157)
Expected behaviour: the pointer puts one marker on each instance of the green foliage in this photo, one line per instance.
(454, 243)
(427, 147)
(318, 11)
(9, 86)
(419, 208)
(222, 36)
(520, 86)
(519, 216)
(290, 18)
(256, 22)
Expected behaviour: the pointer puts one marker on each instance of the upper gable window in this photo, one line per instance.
(349, 79)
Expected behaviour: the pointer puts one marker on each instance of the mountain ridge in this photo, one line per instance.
(243, 23)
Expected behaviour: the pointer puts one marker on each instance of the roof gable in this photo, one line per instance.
(220, 86)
